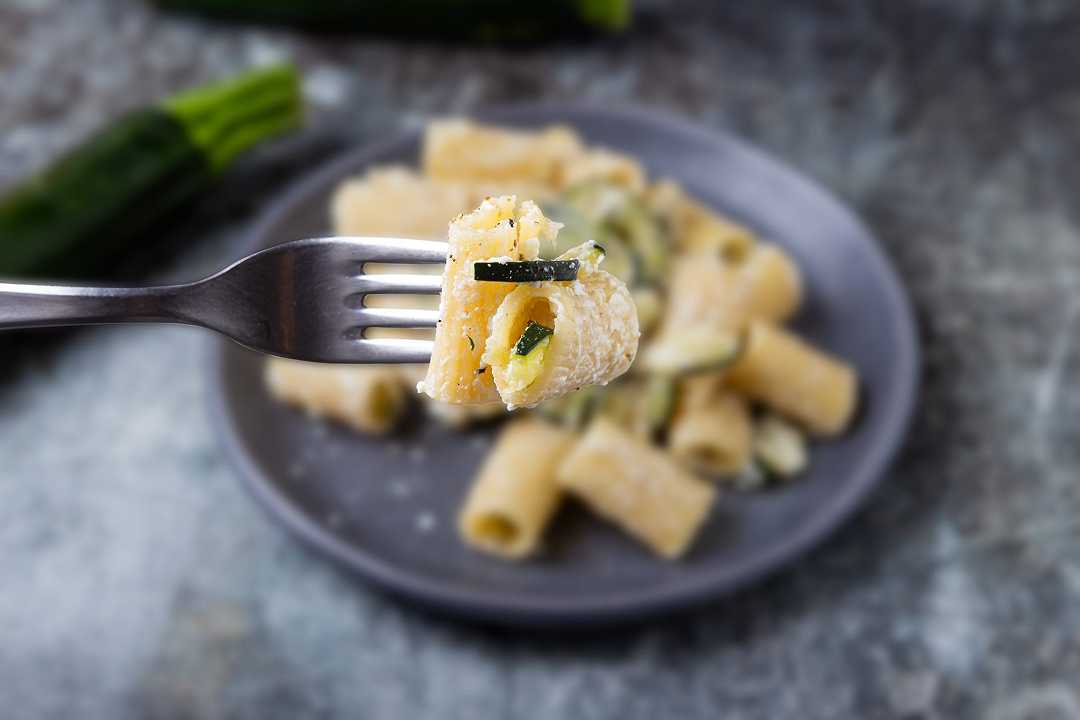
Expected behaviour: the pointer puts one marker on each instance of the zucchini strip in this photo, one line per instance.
(533, 334)
(692, 351)
(526, 271)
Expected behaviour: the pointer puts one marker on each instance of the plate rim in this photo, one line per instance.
(478, 605)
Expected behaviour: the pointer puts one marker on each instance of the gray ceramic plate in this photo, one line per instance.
(386, 509)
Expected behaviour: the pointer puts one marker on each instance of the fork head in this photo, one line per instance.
(306, 299)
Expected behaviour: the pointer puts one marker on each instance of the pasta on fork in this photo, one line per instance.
(521, 329)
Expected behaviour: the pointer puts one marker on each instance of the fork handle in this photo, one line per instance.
(33, 305)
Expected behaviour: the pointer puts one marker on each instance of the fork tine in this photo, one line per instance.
(395, 250)
(395, 318)
(393, 350)
(399, 284)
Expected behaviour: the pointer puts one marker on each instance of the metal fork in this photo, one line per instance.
(302, 299)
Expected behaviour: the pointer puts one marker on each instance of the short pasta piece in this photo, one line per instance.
(499, 228)
(696, 227)
(515, 494)
(462, 416)
(769, 286)
(395, 201)
(700, 390)
(463, 150)
(371, 398)
(707, 292)
(805, 384)
(714, 437)
(623, 403)
(594, 341)
(637, 487)
(606, 166)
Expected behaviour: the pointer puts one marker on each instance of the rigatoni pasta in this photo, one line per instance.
(370, 398)
(516, 493)
(713, 437)
(462, 416)
(595, 334)
(397, 202)
(499, 228)
(462, 150)
(694, 227)
(637, 487)
(783, 372)
(707, 292)
(606, 166)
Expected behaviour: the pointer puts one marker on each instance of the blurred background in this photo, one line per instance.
(138, 578)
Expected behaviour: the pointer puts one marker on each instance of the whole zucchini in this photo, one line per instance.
(77, 214)
(446, 19)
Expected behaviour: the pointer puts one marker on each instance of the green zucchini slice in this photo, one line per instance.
(779, 447)
(533, 334)
(620, 218)
(637, 227)
(572, 410)
(577, 229)
(524, 271)
(659, 404)
(692, 351)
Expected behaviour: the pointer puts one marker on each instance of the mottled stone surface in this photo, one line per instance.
(138, 580)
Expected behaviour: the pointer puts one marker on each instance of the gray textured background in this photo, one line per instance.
(138, 580)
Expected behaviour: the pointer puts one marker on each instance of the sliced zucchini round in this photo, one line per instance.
(692, 351)
(574, 409)
(641, 232)
(779, 447)
(577, 229)
(660, 397)
(597, 201)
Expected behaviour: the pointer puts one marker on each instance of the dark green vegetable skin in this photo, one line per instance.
(492, 20)
(523, 271)
(531, 336)
(105, 195)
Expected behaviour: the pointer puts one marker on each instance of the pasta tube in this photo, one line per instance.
(396, 201)
(715, 437)
(700, 390)
(462, 150)
(462, 416)
(594, 341)
(499, 228)
(637, 487)
(695, 227)
(605, 166)
(372, 204)
(707, 292)
(371, 399)
(768, 286)
(515, 494)
(783, 372)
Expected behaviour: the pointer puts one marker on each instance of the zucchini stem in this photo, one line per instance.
(225, 119)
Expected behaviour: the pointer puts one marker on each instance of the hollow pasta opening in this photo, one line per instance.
(496, 529)
(734, 251)
(385, 402)
(710, 457)
(538, 310)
